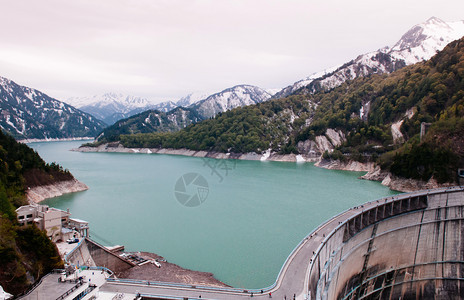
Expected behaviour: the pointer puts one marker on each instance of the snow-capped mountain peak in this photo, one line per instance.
(237, 96)
(419, 43)
(419, 33)
(111, 107)
(423, 41)
(129, 102)
(192, 98)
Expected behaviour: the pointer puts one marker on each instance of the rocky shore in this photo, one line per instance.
(39, 193)
(402, 184)
(373, 172)
(267, 156)
(345, 166)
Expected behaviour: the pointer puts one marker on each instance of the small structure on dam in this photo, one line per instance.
(409, 247)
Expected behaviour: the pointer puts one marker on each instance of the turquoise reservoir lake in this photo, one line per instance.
(254, 213)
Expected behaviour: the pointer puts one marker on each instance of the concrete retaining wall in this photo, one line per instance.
(410, 247)
(91, 254)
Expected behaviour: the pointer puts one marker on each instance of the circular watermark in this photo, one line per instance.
(191, 189)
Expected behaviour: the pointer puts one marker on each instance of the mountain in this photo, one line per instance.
(111, 107)
(180, 117)
(420, 43)
(27, 113)
(165, 106)
(151, 121)
(191, 99)
(237, 96)
(380, 118)
(185, 101)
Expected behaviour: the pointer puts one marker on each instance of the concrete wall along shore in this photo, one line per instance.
(92, 254)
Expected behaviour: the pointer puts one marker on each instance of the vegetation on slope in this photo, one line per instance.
(246, 129)
(25, 252)
(150, 121)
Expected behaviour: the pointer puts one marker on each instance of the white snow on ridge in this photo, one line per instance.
(237, 96)
(424, 40)
(420, 43)
(118, 99)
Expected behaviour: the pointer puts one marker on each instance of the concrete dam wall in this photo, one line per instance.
(405, 247)
(91, 254)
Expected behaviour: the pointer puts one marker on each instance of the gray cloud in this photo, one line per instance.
(166, 49)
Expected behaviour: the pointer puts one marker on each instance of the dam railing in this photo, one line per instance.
(360, 220)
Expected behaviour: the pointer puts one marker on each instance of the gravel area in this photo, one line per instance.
(169, 272)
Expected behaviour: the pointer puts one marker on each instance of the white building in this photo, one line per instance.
(55, 222)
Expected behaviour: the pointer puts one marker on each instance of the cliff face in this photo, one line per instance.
(346, 166)
(39, 193)
(402, 184)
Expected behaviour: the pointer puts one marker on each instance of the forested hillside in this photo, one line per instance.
(151, 121)
(25, 252)
(366, 111)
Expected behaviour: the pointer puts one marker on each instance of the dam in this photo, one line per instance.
(405, 248)
(409, 246)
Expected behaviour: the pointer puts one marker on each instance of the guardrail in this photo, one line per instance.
(36, 284)
(73, 250)
(71, 290)
(98, 269)
(182, 285)
(386, 200)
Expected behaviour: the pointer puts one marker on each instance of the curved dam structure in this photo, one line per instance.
(409, 246)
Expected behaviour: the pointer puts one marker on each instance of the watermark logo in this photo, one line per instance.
(191, 189)
(219, 167)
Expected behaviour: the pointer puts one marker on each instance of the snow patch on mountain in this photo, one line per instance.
(27, 113)
(116, 99)
(420, 43)
(237, 96)
(111, 107)
(192, 98)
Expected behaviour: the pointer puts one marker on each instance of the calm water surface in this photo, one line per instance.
(254, 215)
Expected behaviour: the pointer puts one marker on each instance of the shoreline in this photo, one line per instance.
(373, 172)
(267, 156)
(40, 193)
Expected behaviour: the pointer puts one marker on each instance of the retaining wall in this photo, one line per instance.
(91, 254)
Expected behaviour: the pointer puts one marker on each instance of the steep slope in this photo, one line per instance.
(180, 117)
(420, 43)
(151, 121)
(112, 107)
(30, 114)
(237, 96)
(26, 253)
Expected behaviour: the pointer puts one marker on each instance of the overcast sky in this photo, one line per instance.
(166, 49)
